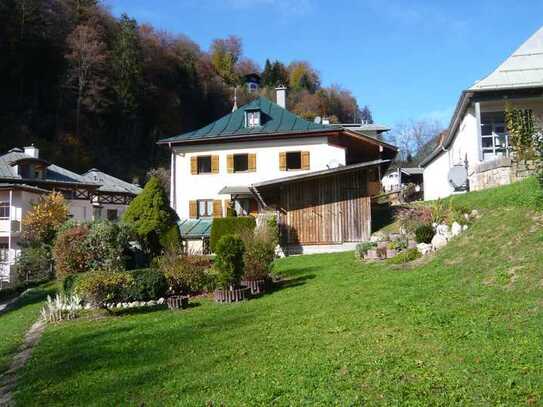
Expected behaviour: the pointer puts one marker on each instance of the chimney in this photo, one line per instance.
(32, 151)
(281, 95)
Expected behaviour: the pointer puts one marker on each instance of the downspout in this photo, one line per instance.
(172, 179)
(10, 226)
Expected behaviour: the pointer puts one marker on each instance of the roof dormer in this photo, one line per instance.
(253, 118)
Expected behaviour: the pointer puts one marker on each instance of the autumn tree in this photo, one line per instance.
(225, 54)
(274, 74)
(86, 58)
(42, 222)
(303, 76)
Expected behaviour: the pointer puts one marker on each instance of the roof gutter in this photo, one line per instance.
(461, 107)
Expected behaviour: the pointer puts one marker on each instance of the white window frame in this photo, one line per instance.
(495, 124)
(4, 253)
(5, 206)
(252, 118)
(208, 208)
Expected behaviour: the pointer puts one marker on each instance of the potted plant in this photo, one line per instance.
(229, 264)
(258, 258)
(184, 274)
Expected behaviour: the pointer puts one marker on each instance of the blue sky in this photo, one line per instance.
(405, 59)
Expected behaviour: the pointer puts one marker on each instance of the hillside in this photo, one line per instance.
(462, 327)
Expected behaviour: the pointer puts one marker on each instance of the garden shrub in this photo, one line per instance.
(71, 252)
(184, 273)
(34, 264)
(69, 283)
(151, 216)
(440, 211)
(240, 225)
(410, 218)
(102, 287)
(424, 234)
(107, 245)
(260, 252)
(399, 244)
(362, 249)
(405, 257)
(148, 284)
(171, 239)
(229, 261)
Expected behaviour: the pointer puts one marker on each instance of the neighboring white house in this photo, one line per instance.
(396, 179)
(215, 168)
(476, 145)
(24, 177)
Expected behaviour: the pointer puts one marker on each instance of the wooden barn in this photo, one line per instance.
(323, 210)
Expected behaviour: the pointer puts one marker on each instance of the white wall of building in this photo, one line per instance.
(207, 186)
(466, 145)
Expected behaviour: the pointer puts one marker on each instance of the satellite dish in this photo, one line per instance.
(333, 164)
(458, 178)
(318, 120)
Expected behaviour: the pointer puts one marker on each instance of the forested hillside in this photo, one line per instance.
(93, 90)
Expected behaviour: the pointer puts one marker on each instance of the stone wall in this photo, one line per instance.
(501, 171)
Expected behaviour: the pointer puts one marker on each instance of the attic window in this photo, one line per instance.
(252, 118)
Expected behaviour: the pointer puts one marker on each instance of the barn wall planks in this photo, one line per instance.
(329, 210)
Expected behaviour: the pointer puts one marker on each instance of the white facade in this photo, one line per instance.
(391, 182)
(19, 203)
(189, 187)
(468, 146)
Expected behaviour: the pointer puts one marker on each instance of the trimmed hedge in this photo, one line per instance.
(231, 225)
(149, 284)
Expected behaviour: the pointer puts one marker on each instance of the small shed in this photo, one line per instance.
(324, 210)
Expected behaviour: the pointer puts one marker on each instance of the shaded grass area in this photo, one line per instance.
(17, 319)
(462, 327)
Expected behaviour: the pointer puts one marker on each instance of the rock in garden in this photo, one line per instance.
(439, 241)
(119, 305)
(443, 230)
(377, 237)
(465, 227)
(456, 229)
(151, 303)
(474, 213)
(424, 248)
(160, 301)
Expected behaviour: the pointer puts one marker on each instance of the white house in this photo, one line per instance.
(220, 167)
(24, 177)
(476, 146)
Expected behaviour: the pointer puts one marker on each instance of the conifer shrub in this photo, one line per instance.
(238, 225)
(229, 261)
(151, 217)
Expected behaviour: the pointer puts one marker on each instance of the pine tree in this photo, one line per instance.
(152, 218)
(126, 64)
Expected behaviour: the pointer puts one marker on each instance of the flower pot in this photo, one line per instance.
(228, 296)
(391, 253)
(373, 254)
(177, 301)
(257, 287)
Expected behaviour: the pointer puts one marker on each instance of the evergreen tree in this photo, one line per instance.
(126, 63)
(267, 74)
(152, 218)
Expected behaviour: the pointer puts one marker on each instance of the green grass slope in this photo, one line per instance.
(463, 327)
(15, 321)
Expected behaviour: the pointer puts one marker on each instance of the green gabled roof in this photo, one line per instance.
(274, 119)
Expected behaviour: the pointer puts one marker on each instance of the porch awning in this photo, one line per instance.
(235, 190)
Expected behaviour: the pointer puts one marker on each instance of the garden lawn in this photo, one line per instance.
(15, 321)
(462, 327)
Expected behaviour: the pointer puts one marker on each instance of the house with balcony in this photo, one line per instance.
(25, 177)
(475, 153)
(317, 178)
